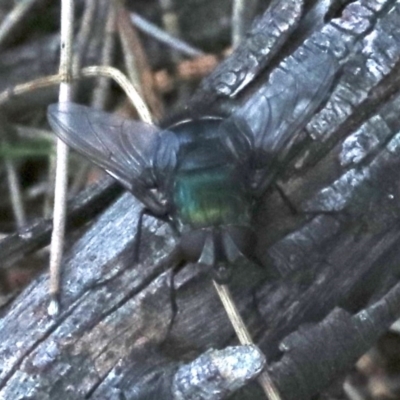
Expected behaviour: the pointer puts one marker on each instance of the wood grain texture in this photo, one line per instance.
(334, 240)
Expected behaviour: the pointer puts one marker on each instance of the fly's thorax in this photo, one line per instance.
(211, 196)
(207, 188)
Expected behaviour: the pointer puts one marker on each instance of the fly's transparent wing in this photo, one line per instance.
(264, 128)
(133, 152)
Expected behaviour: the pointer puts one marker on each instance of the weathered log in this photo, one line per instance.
(333, 237)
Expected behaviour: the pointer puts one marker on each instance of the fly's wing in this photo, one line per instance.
(133, 152)
(261, 132)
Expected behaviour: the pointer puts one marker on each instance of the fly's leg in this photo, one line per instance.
(138, 237)
(173, 227)
(121, 395)
(172, 297)
(174, 305)
(173, 262)
(286, 199)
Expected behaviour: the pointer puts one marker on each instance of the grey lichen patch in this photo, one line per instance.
(215, 374)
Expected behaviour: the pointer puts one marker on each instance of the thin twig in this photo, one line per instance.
(80, 177)
(30, 86)
(129, 56)
(170, 22)
(187, 70)
(27, 132)
(136, 62)
(351, 391)
(94, 71)
(11, 21)
(82, 40)
(51, 178)
(244, 337)
(126, 85)
(164, 37)
(15, 193)
(237, 22)
(83, 36)
(17, 204)
(171, 25)
(60, 194)
(102, 89)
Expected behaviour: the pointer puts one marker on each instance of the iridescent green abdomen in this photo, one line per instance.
(210, 197)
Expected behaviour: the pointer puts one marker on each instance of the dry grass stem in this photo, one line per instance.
(15, 17)
(60, 192)
(136, 62)
(164, 37)
(244, 337)
(102, 89)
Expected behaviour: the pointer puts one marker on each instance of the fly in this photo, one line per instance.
(205, 175)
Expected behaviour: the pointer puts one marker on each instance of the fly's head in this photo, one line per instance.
(218, 248)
